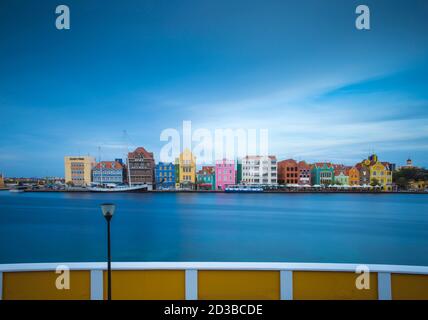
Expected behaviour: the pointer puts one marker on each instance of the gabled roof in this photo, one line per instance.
(322, 164)
(139, 151)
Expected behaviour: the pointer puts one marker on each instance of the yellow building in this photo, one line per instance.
(419, 185)
(186, 169)
(1, 181)
(78, 170)
(380, 172)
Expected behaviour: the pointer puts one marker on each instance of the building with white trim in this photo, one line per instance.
(259, 170)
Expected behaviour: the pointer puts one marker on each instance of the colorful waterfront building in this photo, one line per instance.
(322, 173)
(341, 175)
(304, 173)
(380, 173)
(205, 178)
(141, 167)
(259, 170)
(186, 170)
(78, 170)
(418, 185)
(364, 173)
(165, 175)
(354, 176)
(108, 172)
(288, 172)
(389, 167)
(225, 174)
(1, 181)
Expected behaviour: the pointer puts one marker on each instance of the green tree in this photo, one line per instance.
(374, 182)
(402, 183)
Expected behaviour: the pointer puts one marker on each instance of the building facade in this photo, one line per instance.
(205, 178)
(341, 175)
(364, 172)
(165, 175)
(288, 172)
(1, 181)
(322, 173)
(225, 174)
(141, 166)
(354, 176)
(304, 173)
(380, 173)
(78, 170)
(108, 172)
(259, 170)
(186, 170)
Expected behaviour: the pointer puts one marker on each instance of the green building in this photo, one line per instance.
(205, 178)
(322, 173)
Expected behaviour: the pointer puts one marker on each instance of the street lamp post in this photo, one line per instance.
(108, 211)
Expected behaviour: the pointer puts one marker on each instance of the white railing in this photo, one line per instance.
(191, 272)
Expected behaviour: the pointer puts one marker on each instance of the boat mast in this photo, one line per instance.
(127, 160)
(101, 165)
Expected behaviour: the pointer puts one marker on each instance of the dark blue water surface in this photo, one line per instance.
(357, 228)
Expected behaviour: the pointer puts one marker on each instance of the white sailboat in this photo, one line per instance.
(112, 187)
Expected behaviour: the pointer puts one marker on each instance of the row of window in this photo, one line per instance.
(225, 171)
(165, 174)
(107, 172)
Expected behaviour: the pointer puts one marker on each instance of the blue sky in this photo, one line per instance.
(325, 90)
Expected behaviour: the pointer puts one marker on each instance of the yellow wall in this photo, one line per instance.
(40, 285)
(384, 177)
(147, 285)
(187, 161)
(88, 163)
(247, 285)
(354, 176)
(409, 286)
(321, 285)
(218, 284)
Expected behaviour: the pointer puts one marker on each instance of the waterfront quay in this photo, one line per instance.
(140, 172)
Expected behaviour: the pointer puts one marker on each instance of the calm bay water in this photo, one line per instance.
(355, 228)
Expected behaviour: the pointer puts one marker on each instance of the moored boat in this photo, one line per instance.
(17, 189)
(243, 188)
(117, 188)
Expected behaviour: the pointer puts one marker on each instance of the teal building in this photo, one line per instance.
(322, 173)
(205, 178)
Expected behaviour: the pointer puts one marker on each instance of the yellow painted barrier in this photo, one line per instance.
(40, 285)
(230, 285)
(322, 285)
(146, 285)
(409, 286)
(205, 280)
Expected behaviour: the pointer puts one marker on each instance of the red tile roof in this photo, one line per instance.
(108, 165)
(141, 150)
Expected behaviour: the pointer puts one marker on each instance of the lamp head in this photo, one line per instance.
(108, 210)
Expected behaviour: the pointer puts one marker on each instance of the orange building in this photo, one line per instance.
(354, 176)
(288, 172)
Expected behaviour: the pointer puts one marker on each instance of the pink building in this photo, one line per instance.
(225, 173)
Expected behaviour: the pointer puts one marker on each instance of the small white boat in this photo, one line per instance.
(116, 188)
(17, 190)
(243, 188)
